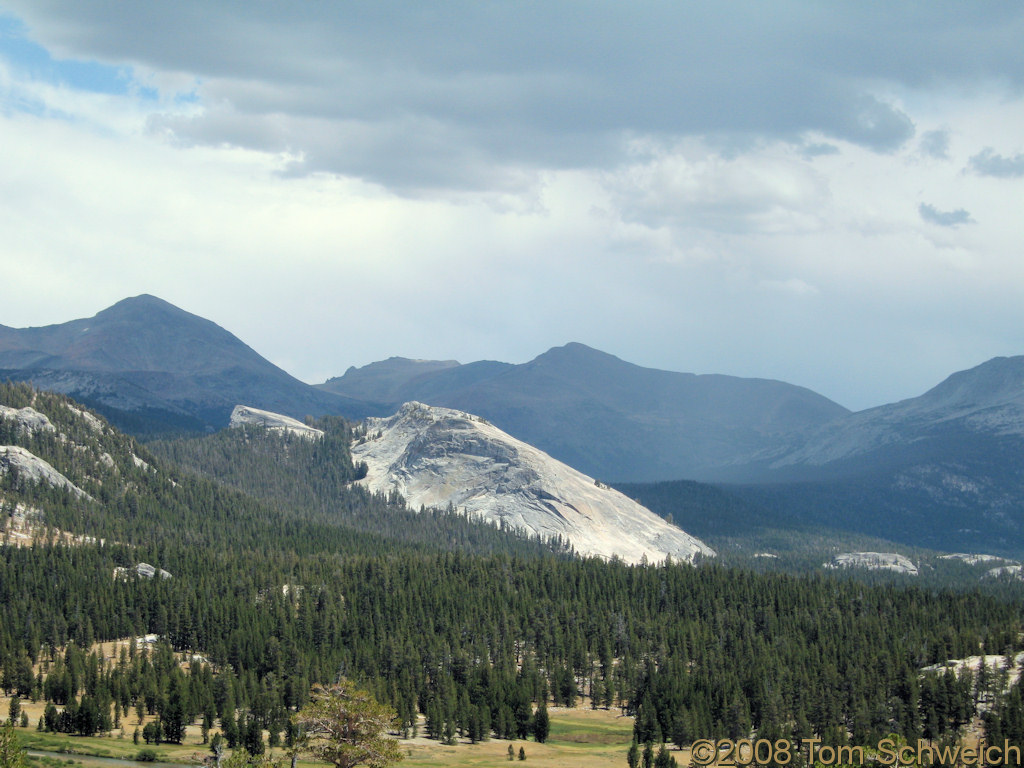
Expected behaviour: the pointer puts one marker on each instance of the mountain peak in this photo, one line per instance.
(576, 350)
(576, 359)
(142, 300)
(145, 355)
(996, 381)
(147, 308)
(381, 381)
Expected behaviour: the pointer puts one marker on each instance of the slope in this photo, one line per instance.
(152, 367)
(438, 457)
(942, 470)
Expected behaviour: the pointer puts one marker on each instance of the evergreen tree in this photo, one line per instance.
(633, 756)
(541, 723)
(12, 754)
(14, 710)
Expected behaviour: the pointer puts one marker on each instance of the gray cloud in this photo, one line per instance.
(955, 218)
(988, 163)
(820, 150)
(471, 94)
(935, 144)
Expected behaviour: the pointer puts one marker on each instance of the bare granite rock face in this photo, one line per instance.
(30, 468)
(437, 456)
(243, 415)
(974, 558)
(875, 561)
(1012, 571)
(144, 570)
(29, 420)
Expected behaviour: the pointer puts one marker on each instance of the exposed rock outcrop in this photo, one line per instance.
(30, 468)
(144, 570)
(243, 415)
(437, 456)
(29, 420)
(875, 561)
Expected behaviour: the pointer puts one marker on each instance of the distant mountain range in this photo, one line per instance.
(945, 469)
(153, 368)
(606, 417)
(941, 468)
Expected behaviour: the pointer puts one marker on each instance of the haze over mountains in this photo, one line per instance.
(929, 469)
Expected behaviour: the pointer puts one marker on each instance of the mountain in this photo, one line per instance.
(942, 470)
(612, 419)
(382, 381)
(438, 457)
(939, 470)
(984, 402)
(151, 367)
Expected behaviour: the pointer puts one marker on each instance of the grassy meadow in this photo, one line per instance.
(580, 737)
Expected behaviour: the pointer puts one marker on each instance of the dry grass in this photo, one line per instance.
(580, 737)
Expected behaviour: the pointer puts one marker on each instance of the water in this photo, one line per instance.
(112, 762)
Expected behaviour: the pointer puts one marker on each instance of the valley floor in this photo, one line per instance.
(580, 737)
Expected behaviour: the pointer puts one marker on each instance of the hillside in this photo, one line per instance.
(942, 470)
(431, 611)
(153, 368)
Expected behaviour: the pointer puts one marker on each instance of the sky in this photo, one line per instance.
(830, 194)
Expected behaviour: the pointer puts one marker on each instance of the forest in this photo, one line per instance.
(282, 574)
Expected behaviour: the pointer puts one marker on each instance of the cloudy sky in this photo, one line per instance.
(831, 194)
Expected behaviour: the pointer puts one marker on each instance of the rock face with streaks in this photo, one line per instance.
(875, 561)
(30, 468)
(243, 415)
(438, 456)
(29, 420)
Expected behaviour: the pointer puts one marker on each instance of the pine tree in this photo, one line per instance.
(633, 756)
(541, 723)
(345, 726)
(14, 711)
(12, 755)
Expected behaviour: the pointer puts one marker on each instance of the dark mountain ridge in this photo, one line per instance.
(614, 419)
(152, 367)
